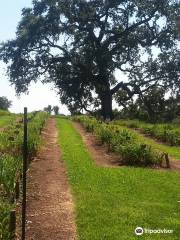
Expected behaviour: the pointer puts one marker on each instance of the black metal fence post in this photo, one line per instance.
(25, 155)
(12, 224)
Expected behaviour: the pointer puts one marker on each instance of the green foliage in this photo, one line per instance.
(169, 133)
(103, 36)
(131, 149)
(48, 109)
(4, 220)
(56, 110)
(6, 118)
(11, 143)
(4, 113)
(155, 105)
(35, 128)
(176, 120)
(9, 167)
(139, 154)
(111, 202)
(4, 103)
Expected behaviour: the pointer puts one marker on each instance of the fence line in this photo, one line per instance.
(25, 156)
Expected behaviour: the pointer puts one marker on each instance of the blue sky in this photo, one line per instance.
(39, 95)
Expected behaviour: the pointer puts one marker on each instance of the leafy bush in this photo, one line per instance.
(169, 133)
(122, 141)
(139, 154)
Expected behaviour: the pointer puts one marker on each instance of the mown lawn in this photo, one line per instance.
(110, 203)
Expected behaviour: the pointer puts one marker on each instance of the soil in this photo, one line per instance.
(104, 158)
(50, 207)
(98, 151)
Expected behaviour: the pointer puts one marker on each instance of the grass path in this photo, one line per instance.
(173, 151)
(111, 203)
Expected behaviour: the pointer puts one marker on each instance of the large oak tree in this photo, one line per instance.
(79, 44)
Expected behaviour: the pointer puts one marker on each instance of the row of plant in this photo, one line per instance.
(4, 113)
(110, 202)
(131, 149)
(169, 133)
(11, 143)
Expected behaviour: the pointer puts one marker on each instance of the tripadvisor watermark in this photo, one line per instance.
(140, 231)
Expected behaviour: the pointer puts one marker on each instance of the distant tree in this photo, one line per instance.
(172, 108)
(5, 103)
(79, 44)
(48, 109)
(56, 110)
(153, 103)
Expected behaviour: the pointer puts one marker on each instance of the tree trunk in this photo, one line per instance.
(106, 105)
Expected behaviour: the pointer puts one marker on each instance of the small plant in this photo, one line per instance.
(140, 155)
(122, 141)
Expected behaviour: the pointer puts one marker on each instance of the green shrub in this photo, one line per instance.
(123, 142)
(169, 133)
(139, 155)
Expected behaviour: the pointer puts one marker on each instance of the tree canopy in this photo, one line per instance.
(5, 103)
(48, 109)
(80, 44)
(56, 110)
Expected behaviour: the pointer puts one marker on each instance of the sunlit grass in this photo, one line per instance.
(5, 120)
(111, 202)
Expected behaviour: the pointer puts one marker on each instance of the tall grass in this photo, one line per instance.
(11, 142)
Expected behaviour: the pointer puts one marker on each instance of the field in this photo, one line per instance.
(168, 133)
(11, 142)
(6, 118)
(111, 203)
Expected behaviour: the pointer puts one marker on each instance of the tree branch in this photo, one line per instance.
(117, 35)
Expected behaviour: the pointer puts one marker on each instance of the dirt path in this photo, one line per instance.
(101, 155)
(99, 152)
(49, 202)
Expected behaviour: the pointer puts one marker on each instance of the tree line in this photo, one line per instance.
(49, 109)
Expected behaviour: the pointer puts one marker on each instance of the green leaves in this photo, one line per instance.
(169, 133)
(80, 44)
(122, 141)
(11, 142)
